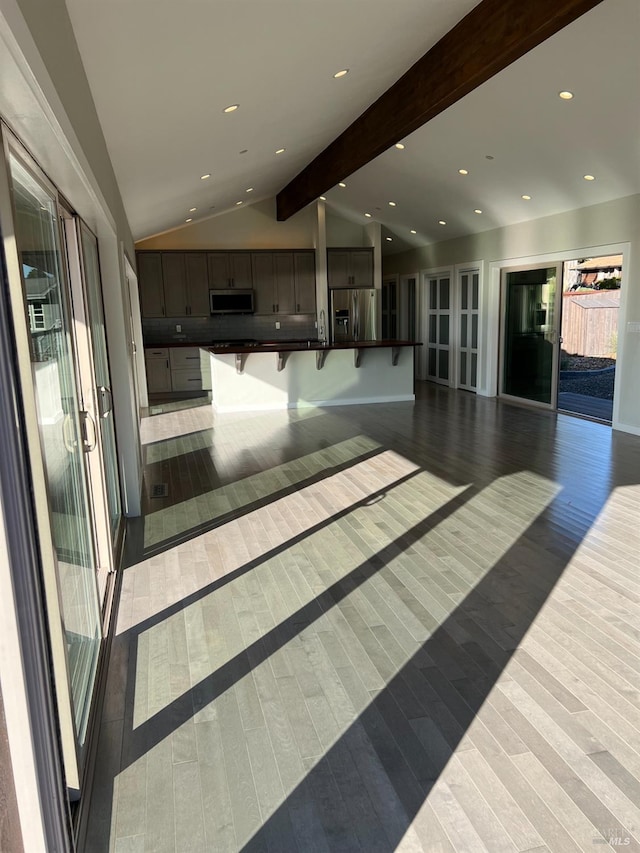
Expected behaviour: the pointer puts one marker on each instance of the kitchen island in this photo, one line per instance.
(262, 377)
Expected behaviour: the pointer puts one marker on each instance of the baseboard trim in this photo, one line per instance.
(314, 404)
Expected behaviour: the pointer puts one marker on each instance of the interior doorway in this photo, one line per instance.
(590, 307)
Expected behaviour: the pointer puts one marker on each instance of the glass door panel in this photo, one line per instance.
(529, 354)
(469, 282)
(61, 429)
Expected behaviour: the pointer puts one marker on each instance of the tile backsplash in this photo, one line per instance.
(204, 330)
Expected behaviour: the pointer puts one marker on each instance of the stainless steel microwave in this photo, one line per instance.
(231, 301)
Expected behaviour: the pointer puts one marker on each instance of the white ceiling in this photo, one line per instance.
(161, 72)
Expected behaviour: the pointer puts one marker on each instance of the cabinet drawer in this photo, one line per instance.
(156, 352)
(190, 380)
(183, 357)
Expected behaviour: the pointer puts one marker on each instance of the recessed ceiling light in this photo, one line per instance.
(249, 190)
(368, 215)
(188, 220)
(204, 177)
(463, 172)
(323, 198)
(192, 209)
(281, 150)
(392, 204)
(390, 239)
(441, 222)
(413, 232)
(341, 73)
(566, 96)
(342, 184)
(589, 177)
(526, 197)
(399, 146)
(231, 108)
(477, 210)
(238, 202)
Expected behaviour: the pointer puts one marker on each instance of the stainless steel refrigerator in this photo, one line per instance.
(354, 315)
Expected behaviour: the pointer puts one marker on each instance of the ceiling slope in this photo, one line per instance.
(488, 39)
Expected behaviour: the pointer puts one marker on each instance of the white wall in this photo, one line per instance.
(341, 233)
(251, 227)
(577, 233)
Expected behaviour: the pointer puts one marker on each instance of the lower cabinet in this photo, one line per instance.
(177, 369)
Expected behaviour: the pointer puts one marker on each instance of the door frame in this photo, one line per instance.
(493, 318)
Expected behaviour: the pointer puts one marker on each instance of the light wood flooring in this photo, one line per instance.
(396, 627)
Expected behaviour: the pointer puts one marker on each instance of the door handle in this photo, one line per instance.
(88, 446)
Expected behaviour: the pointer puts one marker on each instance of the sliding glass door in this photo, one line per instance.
(530, 339)
(63, 429)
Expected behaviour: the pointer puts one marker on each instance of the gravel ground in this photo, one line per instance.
(591, 384)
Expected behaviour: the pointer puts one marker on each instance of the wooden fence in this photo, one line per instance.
(590, 322)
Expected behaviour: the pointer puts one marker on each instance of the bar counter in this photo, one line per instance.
(281, 375)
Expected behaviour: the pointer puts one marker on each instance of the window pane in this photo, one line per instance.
(444, 294)
(433, 295)
(474, 298)
(463, 368)
(432, 361)
(474, 331)
(463, 330)
(443, 364)
(433, 327)
(464, 292)
(444, 329)
(474, 370)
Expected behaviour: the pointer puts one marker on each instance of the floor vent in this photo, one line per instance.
(160, 490)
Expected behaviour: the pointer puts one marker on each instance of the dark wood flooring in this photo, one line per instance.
(396, 627)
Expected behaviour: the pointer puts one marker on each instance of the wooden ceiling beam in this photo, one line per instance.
(492, 36)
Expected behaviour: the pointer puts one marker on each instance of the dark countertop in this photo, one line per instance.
(298, 346)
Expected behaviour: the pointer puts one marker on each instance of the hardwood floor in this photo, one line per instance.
(395, 627)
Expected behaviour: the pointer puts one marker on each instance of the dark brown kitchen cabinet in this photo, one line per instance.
(175, 284)
(197, 284)
(150, 284)
(230, 269)
(263, 283)
(305, 282)
(284, 282)
(350, 267)
(284, 291)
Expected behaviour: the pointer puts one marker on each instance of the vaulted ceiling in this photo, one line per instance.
(163, 72)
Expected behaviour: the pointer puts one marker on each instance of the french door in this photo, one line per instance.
(59, 329)
(530, 317)
(439, 328)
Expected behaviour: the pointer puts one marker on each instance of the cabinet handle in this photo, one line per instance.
(167, 364)
(298, 308)
(277, 307)
(192, 358)
(273, 308)
(162, 310)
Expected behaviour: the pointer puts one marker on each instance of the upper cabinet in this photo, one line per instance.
(176, 284)
(173, 284)
(350, 267)
(284, 282)
(151, 284)
(304, 267)
(230, 269)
